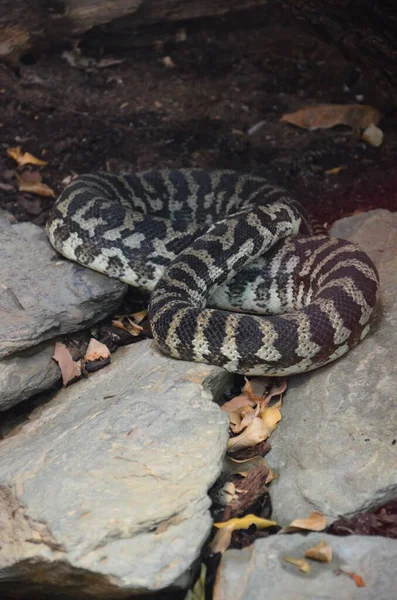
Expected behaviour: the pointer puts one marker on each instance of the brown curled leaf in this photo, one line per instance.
(325, 116)
(322, 552)
(70, 369)
(96, 351)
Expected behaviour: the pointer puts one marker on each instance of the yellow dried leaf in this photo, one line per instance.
(25, 184)
(325, 116)
(96, 351)
(316, 522)
(335, 170)
(245, 522)
(132, 328)
(321, 552)
(24, 159)
(138, 317)
(301, 563)
(69, 368)
(222, 539)
(256, 432)
(270, 417)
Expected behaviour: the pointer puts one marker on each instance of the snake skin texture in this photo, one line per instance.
(236, 276)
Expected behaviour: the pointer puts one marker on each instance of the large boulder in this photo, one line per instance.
(104, 491)
(260, 572)
(335, 448)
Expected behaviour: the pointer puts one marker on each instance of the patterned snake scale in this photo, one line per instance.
(234, 242)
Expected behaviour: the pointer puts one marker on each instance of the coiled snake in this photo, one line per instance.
(196, 237)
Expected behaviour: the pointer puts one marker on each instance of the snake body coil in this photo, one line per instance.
(198, 238)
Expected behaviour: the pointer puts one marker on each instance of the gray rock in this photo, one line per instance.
(335, 446)
(104, 491)
(25, 374)
(260, 572)
(43, 295)
(6, 217)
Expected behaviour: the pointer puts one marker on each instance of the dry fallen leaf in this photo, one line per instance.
(240, 419)
(228, 493)
(256, 432)
(131, 327)
(321, 552)
(222, 539)
(69, 368)
(245, 522)
(270, 417)
(237, 402)
(242, 467)
(24, 159)
(373, 136)
(25, 184)
(248, 391)
(96, 351)
(359, 581)
(316, 522)
(325, 116)
(335, 170)
(301, 563)
(277, 390)
(138, 317)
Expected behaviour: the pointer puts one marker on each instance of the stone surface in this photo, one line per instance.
(335, 447)
(104, 491)
(26, 374)
(32, 309)
(260, 573)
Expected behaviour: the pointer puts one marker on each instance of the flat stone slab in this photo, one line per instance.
(260, 572)
(41, 294)
(104, 491)
(335, 448)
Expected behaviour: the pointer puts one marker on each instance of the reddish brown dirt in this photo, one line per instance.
(228, 76)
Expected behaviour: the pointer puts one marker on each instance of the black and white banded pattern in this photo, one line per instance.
(198, 238)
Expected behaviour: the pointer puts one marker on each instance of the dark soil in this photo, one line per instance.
(227, 76)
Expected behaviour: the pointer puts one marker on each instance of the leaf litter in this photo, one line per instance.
(322, 552)
(316, 522)
(359, 581)
(31, 182)
(70, 370)
(24, 158)
(325, 116)
(301, 563)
